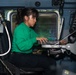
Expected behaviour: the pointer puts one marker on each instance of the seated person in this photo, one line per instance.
(23, 40)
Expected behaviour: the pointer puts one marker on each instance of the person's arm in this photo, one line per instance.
(22, 42)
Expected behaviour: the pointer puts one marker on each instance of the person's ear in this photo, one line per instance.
(25, 18)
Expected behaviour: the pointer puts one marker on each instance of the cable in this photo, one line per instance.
(6, 67)
(4, 24)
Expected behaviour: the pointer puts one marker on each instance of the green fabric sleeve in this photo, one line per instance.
(22, 42)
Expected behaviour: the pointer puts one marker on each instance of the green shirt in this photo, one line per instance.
(23, 39)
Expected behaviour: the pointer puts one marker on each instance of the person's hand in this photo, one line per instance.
(41, 39)
(63, 42)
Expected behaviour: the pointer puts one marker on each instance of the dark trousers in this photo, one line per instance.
(33, 61)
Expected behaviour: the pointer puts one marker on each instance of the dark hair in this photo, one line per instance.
(26, 12)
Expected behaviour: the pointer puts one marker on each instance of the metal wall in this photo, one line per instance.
(31, 3)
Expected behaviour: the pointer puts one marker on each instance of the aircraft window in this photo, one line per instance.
(48, 23)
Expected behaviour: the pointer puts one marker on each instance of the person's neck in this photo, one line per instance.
(27, 24)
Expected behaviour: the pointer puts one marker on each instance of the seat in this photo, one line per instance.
(13, 69)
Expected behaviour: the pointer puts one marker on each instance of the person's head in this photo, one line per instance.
(29, 16)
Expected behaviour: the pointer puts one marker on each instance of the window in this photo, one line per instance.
(48, 25)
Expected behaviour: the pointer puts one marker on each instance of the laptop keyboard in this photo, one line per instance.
(50, 43)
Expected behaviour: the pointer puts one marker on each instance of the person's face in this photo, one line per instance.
(30, 20)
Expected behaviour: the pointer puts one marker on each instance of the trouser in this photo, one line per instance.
(34, 61)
